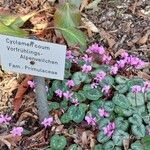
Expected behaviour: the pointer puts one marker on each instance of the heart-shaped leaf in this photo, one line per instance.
(73, 36)
(135, 100)
(138, 130)
(79, 77)
(93, 94)
(121, 123)
(109, 145)
(119, 136)
(121, 101)
(67, 16)
(137, 145)
(58, 142)
(9, 31)
(102, 138)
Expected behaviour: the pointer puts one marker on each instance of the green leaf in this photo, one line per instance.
(59, 85)
(121, 101)
(103, 122)
(108, 106)
(138, 130)
(120, 79)
(135, 81)
(137, 145)
(121, 124)
(93, 94)
(102, 138)
(122, 88)
(73, 36)
(148, 95)
(7, 19)
(49, 94)
(53, 106)
(80, 113)
(98, 147)
(14, 21)
(19, 21)
(80, 96)
(148, 106)
(75, 147)
(146, 142)
(109, 145)
(108, 80)
(64, 105)
(9, 31)
(119, 136)
(67, 16)
(135, 102)
(146, 118)
(95, 105)
(65, 118)
(75, 2)
(136, 119)
(79, 77)
(58, 142)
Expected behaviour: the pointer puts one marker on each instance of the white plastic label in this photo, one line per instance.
(32, 57)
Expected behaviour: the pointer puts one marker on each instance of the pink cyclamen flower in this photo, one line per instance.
(135, 62)
(86, 58)
(75, 102)
(106, 89)
(121, 63)
(59, 93)
(109, 129)
(69, 55)
(100, 76)
(103, 113)
(136, 89)
(93, 48)
(124, 54)
(148, 131)
(101, 50)
(114, 69)
(70, 83)
(31, 84)
(4, 119)
(86, 68)
(16, 131)
(90, 120)
(67, 95)
(47, 122)
(94, 85)
(146, 86)
(106, 59)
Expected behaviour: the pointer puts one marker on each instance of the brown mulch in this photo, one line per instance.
(121, 25)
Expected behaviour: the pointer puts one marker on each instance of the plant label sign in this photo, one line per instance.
(32, 57)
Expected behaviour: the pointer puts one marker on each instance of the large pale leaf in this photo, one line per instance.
(7, 19)
(19, 21)
(75, 2)
(73, 36)
(146, 142)
(9, 31)
(67, 16)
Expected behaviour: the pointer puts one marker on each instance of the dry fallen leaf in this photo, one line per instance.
(111, 41)
(143, 39)
(118, 53)
(89, 25)
(84, 4)
(19, 95)
(144, 75)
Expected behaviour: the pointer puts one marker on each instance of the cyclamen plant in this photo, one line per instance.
(96, 92)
